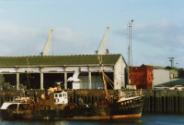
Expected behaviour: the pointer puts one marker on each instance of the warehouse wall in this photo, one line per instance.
(119, 73)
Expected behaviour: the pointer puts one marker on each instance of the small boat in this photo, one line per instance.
(18, 109)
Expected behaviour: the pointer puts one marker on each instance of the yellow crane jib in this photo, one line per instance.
(102, 49)
(47, 47)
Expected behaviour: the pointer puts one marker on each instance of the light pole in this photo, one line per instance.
(171, 59)
(130, 57)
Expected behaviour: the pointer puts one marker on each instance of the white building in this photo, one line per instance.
(162, 75)
(40, 72)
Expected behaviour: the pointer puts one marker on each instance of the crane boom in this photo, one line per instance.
(101, 49)
(47, 46)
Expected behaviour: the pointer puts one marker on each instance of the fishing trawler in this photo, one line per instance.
(56, 104)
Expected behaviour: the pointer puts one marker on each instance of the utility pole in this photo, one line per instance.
(171, 59)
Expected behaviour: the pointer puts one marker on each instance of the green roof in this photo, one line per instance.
(30, 61)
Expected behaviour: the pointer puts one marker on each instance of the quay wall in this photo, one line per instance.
(155, 101)
(164, 101)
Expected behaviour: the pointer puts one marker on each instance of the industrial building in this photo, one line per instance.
(42, 72)
(146, 77)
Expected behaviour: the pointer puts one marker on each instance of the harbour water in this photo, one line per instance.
(145, 120)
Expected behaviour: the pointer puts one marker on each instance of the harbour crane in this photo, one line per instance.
(47, 47)
(102, 49)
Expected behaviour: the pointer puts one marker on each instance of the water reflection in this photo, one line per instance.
(145, 120)
(134, 122)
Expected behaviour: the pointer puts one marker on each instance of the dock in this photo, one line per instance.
(164, 101)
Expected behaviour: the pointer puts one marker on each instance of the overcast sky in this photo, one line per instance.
(158, 28)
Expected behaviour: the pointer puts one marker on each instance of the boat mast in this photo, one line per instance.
(100, 52)
(100, 59)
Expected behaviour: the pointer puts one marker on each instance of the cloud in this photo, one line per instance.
(2, 10)
(66, 34)
(68, 41)
(16, 39)
(159, 34)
